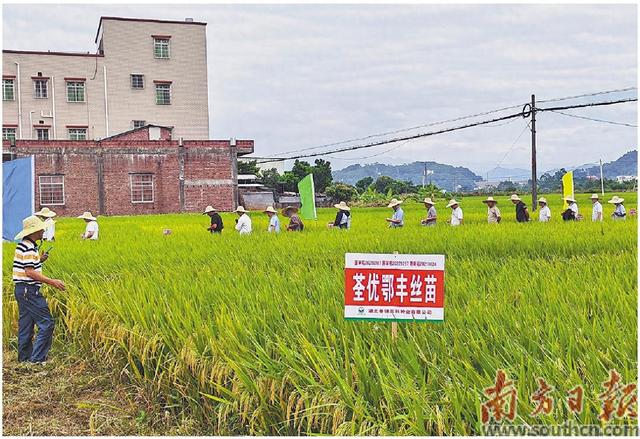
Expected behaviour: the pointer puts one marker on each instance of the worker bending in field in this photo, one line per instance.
(456, 213)
(91, 230)
(620, 213)
(522, 213)
(596, 210)
(32, 306)
(295, 223)
(46, 215)
(343, 217)
(571, 213)
(545, 213)
(274, 221)
(243, 223)
(493, 213)
(432, 216)
(216, 225)
(397, 219)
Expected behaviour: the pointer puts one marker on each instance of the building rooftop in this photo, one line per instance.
(147, 20)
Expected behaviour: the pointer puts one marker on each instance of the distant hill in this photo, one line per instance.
(625, 165)
(444, 176)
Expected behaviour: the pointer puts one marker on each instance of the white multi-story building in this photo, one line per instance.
(143, 72)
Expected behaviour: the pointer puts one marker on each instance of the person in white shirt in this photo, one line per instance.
(274, 221)
(243, 223)
(46, 215)
(573, 208)
(596, 212)
(620, 214)
(91, 231)
(545, 213)
(456, 213)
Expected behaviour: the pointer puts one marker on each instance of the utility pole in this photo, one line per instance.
(534, 175)
(601, 179)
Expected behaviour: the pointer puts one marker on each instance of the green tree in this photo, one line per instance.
(301, 169)
(341, 192)
(322, 177)
(364, 183)
(382, 184)
(248, 167)
(270, 178)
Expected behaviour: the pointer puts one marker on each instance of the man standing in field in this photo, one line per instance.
(274, 221)
(397, 220)
(522, 213)
(431, 218)
(46, 215)
(493, 213)
(620, 214)
(32, 306)
(596, 212)
(545, 213)
(456, 213)
(243, 223)
(216, 220)
(91, 231)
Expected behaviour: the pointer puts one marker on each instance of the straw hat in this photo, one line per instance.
(88, 216)
(270, 209)
(209, 209)
(240, 209)
(30, 224)
(428, 201)
(394, 202)
(489, 199)
(515, 197)
(45, 212)
(616, 200)
(542, 200)
(287, 209)
(452, 202)
(569, 199)
(595, 197)
(342, 206)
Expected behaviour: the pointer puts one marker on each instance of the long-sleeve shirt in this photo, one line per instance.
(544, 215)
(456, 216)
(431, 213)
(596, 212)
(50, 232)
(493, 213)
(216, 220)
(343, 220)
(244, 224)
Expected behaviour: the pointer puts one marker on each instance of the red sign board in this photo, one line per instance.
(394, 287)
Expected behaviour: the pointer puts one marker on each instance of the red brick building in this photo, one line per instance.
(142, 171)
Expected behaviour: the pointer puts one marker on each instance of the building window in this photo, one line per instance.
(77, 133)
(42, 133)
(141, 188)
(138, 123)
(51, 190)
(75, 91)
(161, 48)
(40, 89)
(137, 82)
(8, 134)
(163, 94)
(7, 90)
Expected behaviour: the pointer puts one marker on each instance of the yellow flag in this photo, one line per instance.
(567, 187)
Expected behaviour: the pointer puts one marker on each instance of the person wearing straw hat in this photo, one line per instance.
(46, 215)
(397, 220)
(596, 211)
(571, 214)
(216, 225)
(343, 217)
(295, 223)
(456, 213)
(91, 230)
(522, 213)
(32, 306)
(243, 223)
(493, 213)
(620, 214)
(432, 217)
(545, 213)
(274, 221)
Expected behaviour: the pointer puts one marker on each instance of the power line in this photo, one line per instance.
(620, 90)
(514, 144)
(595, 120)
(591, 104)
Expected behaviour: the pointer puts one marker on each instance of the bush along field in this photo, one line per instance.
(246, 334)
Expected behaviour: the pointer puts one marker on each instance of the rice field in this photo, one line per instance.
(246, 333)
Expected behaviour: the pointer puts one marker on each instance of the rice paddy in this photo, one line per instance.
(246, 333)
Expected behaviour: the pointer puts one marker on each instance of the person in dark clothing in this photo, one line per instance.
(216, 220)
(295, 223)
(343, 217)
(522, 213)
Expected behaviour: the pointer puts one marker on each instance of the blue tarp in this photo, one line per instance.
(17, 195)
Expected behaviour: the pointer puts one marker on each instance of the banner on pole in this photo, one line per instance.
(567, 187)
(18, 191)
(307, 198)
(394, 287)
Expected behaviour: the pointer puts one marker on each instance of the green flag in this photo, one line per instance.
(307, 198)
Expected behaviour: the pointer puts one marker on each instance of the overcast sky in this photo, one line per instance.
(297, 76)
